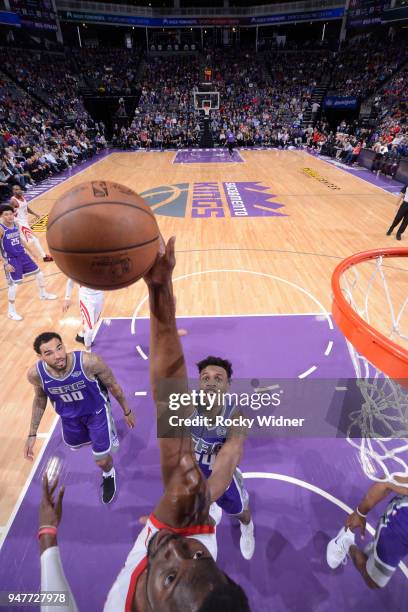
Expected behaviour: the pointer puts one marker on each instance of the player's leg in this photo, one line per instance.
(31, 239)
(235, 502)
(397, 219)
(403, 226)
(44, 295)
(87, 308)
(13, 279)
(102, 432)
(12, 314)
(359, 559)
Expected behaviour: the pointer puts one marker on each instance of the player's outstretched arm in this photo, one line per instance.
(52, 573)
(186, 498)
(38, 408)
(376, 493)
(95, 366)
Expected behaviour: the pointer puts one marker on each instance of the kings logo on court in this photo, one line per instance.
(214, 199)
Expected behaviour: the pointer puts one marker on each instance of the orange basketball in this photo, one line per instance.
(102, 235)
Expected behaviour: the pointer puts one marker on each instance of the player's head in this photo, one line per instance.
(51, 349)
(182, 575)
(215, 374)
(7, 214)
(17, 190)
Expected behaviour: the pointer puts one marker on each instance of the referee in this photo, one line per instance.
(402, 214)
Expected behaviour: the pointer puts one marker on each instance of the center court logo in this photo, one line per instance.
(213, 199)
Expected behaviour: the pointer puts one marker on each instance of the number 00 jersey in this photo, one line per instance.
(75, 395)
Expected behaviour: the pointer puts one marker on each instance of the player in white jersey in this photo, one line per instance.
(21, 211)
(172, 563)
(90, 306)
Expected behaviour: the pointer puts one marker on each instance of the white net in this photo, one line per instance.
(377, 290)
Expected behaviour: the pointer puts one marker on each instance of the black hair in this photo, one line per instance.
(216, 361)
(43, 339)
(228, 597)
(6, 207)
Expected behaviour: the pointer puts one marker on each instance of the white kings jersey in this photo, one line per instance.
(121, 595)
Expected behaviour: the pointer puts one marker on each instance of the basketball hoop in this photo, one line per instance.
(369, 308)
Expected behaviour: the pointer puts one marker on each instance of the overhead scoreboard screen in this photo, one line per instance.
(35, 14)
(363, 13)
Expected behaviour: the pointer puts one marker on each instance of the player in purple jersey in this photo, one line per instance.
(218, 451)
(380, 559)
(16, 261)
(230, 143)
(78, 385)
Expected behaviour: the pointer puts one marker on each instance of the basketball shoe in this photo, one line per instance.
(247, 540)
(338, 547)
(108, 486)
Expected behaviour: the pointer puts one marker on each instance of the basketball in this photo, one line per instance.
(102, 235)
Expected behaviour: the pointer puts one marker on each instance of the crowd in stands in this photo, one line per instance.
(165, 117)
(35, 143)
(366, 63)
(108, 71)
(44, 127)
(48, 77)
(264, 104)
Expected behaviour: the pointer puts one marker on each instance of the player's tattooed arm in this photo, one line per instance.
(96, 367)
(39, 401)
(38, 408)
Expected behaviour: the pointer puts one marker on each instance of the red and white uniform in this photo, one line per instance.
(121, 595)
(90, 304)
(21, 215)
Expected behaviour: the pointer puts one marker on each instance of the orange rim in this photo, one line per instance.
(383, 353)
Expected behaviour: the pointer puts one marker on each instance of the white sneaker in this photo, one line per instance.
(216, 513)
(247, 541)
(338, 547)
(48, 296)
(14, 316)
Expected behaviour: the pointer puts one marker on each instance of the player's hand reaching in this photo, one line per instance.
(28, 448)
(50, 508)
(355, 521)
(130, 420)
(9, 268)
(161, 271)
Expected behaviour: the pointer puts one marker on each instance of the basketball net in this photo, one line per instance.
(379, 429)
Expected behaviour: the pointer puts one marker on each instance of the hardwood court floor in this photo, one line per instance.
(327, 215)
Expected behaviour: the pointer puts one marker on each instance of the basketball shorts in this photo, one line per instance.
(391, 542)
(23, 266)
(97, 429)
(26, 230)
(235, 499)
(91, 308)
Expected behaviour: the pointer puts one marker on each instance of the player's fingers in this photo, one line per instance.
(170, 246)
(45, 485)
(58, 505)
(53, 487)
